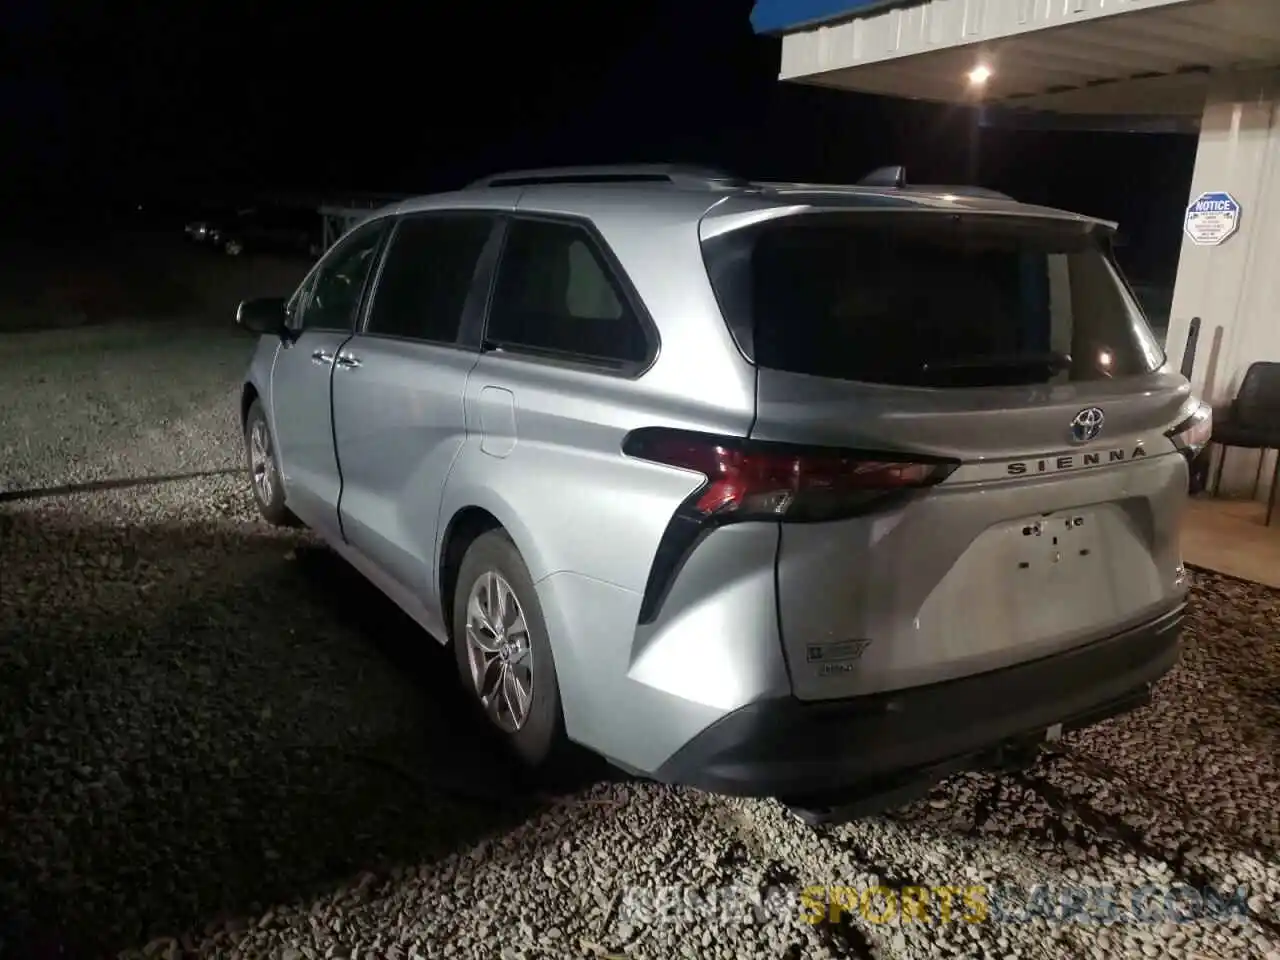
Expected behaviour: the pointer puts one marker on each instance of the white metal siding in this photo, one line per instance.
(1234, 288)
(937, 24)
(1081, 56)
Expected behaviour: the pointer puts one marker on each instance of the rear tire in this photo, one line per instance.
(264, 468)
(502, 651)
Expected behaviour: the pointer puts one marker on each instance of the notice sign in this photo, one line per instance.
(1212, 218)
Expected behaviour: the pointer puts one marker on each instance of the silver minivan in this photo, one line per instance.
(817, 492)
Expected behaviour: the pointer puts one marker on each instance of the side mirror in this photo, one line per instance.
(265, 315)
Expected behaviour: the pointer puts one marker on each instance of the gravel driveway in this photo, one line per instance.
(215, 741)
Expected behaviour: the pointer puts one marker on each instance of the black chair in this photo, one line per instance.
(1252, 422)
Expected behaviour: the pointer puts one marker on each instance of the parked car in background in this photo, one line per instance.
(245, 229)
(202, 230)
(205, 227)
(824, 493)
(264, 229)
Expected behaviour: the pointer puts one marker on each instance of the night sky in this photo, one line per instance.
(182, 99)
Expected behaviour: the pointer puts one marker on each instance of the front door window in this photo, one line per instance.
(332, 294)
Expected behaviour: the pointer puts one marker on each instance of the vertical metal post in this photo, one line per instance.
(1200, 465)
(1189, 355)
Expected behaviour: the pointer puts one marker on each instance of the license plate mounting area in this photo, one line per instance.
(1056, 540)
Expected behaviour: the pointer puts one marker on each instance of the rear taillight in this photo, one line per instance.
(1193, 434)
(747, 480)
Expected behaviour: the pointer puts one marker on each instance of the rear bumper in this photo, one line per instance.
(801, 750)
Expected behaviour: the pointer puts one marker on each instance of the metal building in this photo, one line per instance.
(1206, 65)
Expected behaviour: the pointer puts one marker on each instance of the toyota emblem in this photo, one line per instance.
(1087, 424)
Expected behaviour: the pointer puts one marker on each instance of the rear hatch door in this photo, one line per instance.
(1007, 344)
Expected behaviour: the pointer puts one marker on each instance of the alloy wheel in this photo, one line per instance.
(498, 653)
(261, 464)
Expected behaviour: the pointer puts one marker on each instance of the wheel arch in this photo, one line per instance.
(468, 522)
(248, 394)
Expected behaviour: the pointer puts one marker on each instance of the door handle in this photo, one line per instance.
(348, 360)
(322, 357)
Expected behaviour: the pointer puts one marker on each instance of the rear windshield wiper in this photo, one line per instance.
(1051, 360)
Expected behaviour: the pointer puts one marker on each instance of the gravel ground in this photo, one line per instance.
(215, 741)
(118, 401)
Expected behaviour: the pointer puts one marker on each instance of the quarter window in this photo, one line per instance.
(555, 294)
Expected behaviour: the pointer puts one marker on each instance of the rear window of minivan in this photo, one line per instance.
(930, 299)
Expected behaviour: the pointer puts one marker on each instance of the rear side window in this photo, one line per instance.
(427, 275)
(931, 300)
(556, 295)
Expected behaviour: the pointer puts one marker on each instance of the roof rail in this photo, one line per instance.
(620, 173)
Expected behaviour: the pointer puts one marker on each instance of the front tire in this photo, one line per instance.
(264, 468)
(503, 652)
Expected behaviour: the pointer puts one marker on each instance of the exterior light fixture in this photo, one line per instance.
(979, 75)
